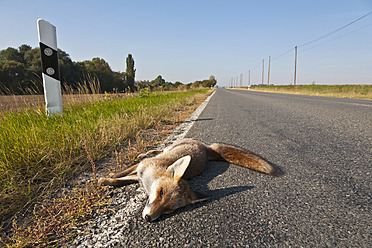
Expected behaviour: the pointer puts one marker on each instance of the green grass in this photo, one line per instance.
(38, 152)
(345, 91)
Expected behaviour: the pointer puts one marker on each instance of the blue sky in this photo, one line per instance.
(191, 40)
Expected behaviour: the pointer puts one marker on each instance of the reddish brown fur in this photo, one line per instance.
(245, 158)
(162, 173)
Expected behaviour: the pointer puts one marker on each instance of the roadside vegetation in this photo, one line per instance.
(107, 114)
(20, 74)
(344, 91)
(38, 154)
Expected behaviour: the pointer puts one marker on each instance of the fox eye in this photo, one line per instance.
(161, 194)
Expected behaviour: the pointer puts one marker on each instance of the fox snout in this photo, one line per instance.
(168, 200)
(147, 215)
(151, 212)
(148, 218)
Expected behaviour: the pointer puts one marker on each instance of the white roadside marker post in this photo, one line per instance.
(49, 61)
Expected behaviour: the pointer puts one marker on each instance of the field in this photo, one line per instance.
(344, 91)
(15, 103)
(39, 153)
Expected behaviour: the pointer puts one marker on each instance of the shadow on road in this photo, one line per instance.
(200, 184)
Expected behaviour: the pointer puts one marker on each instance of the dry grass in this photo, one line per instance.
(342, 91)
(86, 91)
(83, 135)
(55, 220)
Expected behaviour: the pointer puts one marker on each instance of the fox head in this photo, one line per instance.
(170, 191)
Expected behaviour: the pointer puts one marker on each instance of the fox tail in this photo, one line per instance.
(242, 157)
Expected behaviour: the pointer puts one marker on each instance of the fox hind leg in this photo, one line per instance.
(149, 154)
(129, 171)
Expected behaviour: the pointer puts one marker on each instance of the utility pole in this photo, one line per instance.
(241, 80)
(263, 68)
(295, 69)
(268, 72)
(249, 79)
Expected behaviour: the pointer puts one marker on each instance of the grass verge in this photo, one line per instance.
(343, 91)
(38, 153)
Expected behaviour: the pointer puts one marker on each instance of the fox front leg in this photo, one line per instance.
(122, 178)
(118, 182)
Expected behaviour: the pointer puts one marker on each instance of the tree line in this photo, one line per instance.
(20, 73)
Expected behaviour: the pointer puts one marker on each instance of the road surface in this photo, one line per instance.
(324, 146)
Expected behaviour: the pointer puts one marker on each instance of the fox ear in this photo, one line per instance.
(198, 197)
(178, 168)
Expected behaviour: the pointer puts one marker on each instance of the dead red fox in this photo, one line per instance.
(162, 173)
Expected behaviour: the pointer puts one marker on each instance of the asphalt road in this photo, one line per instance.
(324, 146)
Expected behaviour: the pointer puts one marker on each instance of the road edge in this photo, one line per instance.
(181, 131)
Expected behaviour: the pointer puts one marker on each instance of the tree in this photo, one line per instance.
(11, 54)
(33, 60)
(130, 73)
(159, 81)
(212, 81)
(12, 74)
(20, 71)
(108, 79)
(13, 71)
(70, 72)
(177, 83)
(24, 48)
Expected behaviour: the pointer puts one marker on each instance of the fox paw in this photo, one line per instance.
(103, 181)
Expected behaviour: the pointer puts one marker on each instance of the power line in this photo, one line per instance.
(290, 50)
(324, 36)
(338, 37)
(257, 65)
(318, 39)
